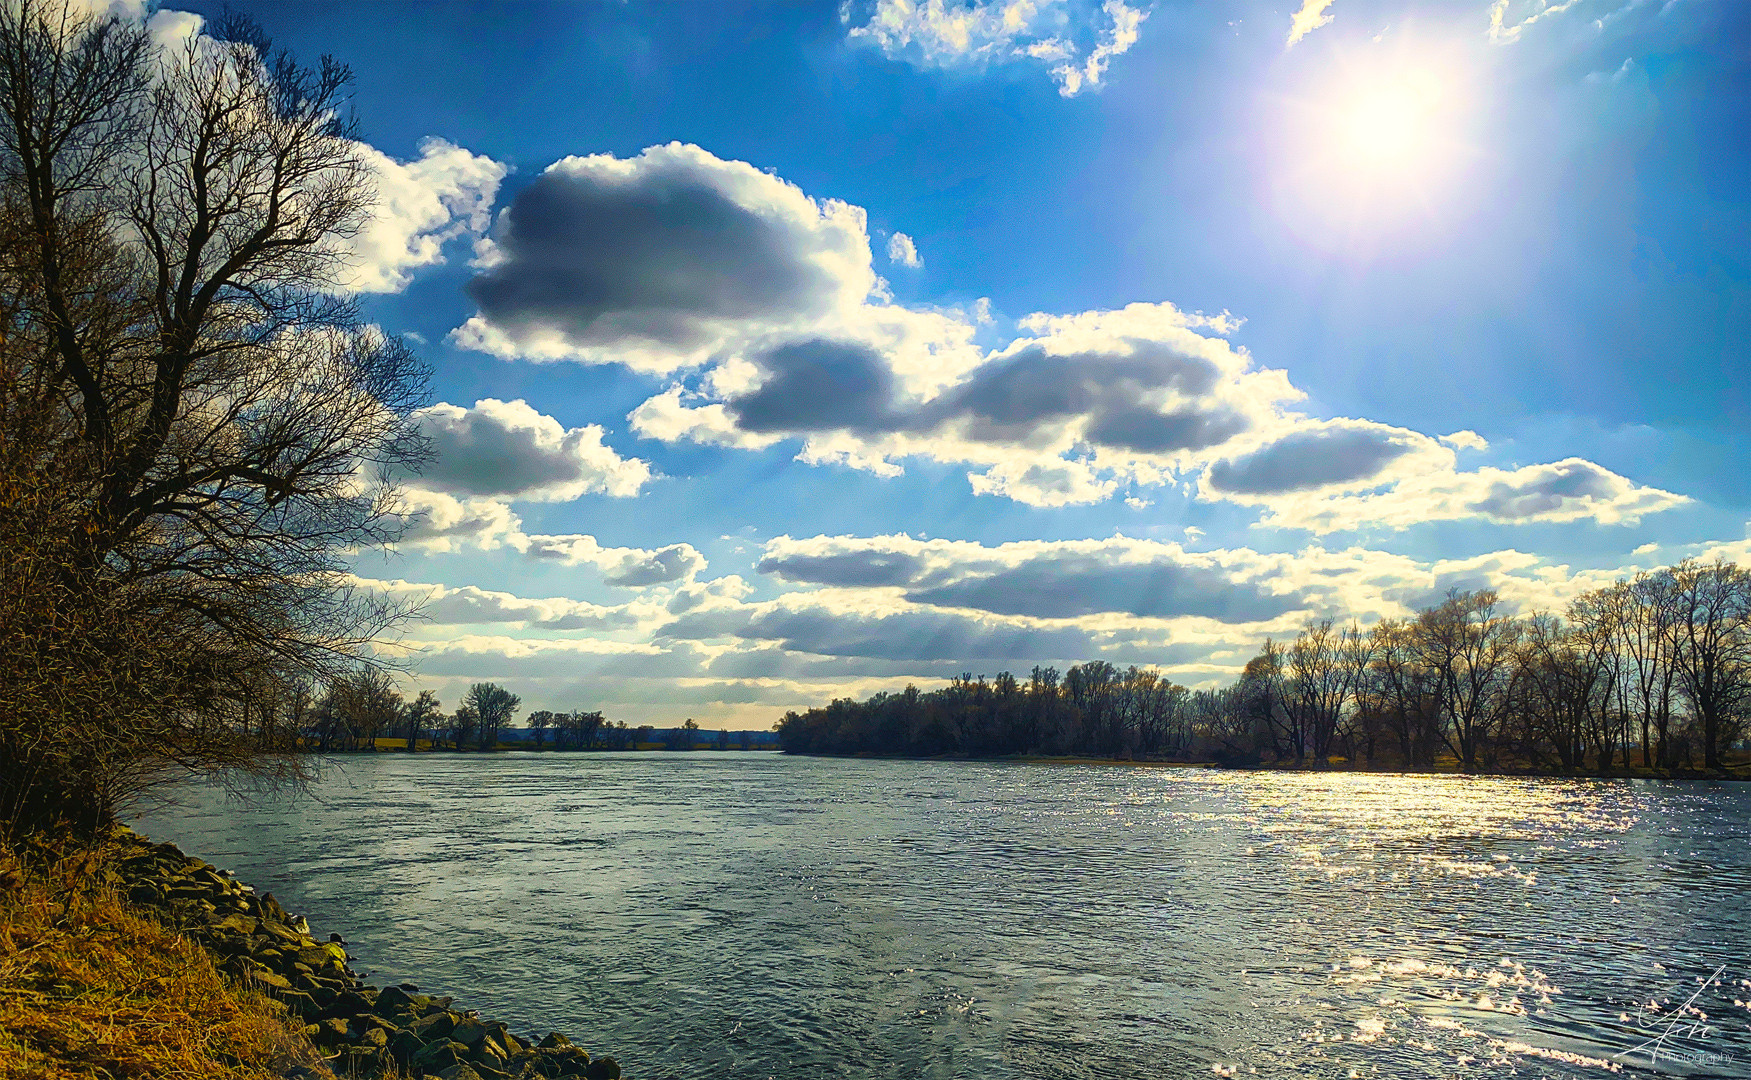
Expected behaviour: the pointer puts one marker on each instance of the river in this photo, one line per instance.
(718, 914)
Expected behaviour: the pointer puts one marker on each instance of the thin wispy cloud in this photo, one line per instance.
(1311, 17)
(1075, 41)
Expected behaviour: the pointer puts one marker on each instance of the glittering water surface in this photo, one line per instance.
(743, 914)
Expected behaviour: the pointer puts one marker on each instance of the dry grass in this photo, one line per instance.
(90, 987)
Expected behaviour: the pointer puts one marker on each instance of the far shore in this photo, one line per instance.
(1738, 772)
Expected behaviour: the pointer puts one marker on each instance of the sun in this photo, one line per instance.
(1391, 124)
(1377, 141)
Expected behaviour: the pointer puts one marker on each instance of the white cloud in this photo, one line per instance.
(947, 34)
(421, 205)
(779, 317)
(1115, 41)
(1510, 18)
(662, 261)
(624, 566)
(1056, 417)
(508, 450)
(1573, 489)
(860, 614)
(443, 608)
(1311, 17)
(902, 250)
(438, 522)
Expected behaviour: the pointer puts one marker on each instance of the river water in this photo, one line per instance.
(750, 915)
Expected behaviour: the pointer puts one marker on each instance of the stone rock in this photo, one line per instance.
(438, 1056)
(393, 999)
(299, 1004)
(282, 932)
(361, 1060)
(273, 909)
(556, 1062)
(468, 1031)
(437, 1025)
(272, 979)
(602, 1069)
(334, 1028)
(488, 1052)
(404, 1046)
(347, 1003)
(236, 924)
(376, 1037)
(459, 1071)
(554, 1040)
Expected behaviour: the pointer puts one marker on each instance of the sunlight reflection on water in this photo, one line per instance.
(744, 914)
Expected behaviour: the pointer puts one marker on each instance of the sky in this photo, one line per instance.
(790, 352)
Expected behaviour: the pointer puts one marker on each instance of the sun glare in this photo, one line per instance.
(1389, 126)
(1375, 144)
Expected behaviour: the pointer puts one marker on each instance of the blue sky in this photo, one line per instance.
(789, 352)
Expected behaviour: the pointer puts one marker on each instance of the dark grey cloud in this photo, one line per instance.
(1052, 584)
(917, 635)
(663, 248)
(821, 385)
(506, 449)
(1309, 459)
(1549, 489)
(1071, 585)
(824, 385)
(1009, 399)
(673, 563)
(849, 569)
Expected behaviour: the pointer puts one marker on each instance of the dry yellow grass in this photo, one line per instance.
(92, 988)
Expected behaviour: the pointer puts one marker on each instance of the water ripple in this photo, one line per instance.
(712, 914)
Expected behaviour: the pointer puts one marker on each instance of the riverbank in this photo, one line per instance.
(136, 960)
(1740, 772)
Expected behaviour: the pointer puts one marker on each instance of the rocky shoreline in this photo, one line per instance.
(361, 1031)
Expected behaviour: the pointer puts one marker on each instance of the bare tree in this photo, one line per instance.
(422, 714)
(1713, 614)
(492, 707)
(539, 721)
(1466, 644)
(196, 425)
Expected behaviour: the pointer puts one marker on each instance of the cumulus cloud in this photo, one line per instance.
(1048, 579)
(764, 301)
(902, 250)
(439, 522)
(1309, 18)
(949, 34)
(442, 606)
(661, 261)
(508, 450)
(1051, 418)
(421, 206)
(624, 566)
(1342, 454)
(1573, 489)
(859, 614)
(915, 634)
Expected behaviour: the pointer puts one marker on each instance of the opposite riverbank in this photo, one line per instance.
(136, 960)
(1739, 771)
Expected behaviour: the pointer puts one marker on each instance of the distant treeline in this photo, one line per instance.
(1651, 672)
(356, 710)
